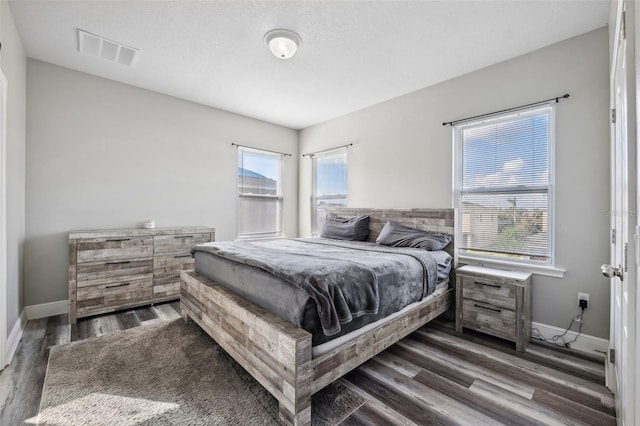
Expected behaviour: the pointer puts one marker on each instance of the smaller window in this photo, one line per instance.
(329, 185)
(259, 194)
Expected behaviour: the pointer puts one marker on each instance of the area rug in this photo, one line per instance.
(165, 374)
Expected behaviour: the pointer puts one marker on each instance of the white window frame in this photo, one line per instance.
(539, 267)
(314, 186)
(279, 197)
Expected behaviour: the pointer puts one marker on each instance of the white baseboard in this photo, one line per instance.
(15, 335)
(47, 309)
(583, 343)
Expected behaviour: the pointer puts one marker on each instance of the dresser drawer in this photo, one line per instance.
(494, 292)
(166, 273)
(112, 271)
(96, 249)
(167, 289)
(489, 318)
(165, 244)
(105, 297)
(172, 264)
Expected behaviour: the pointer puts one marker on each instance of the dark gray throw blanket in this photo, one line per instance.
(340, 276)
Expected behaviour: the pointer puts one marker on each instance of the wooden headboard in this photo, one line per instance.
(440, 220)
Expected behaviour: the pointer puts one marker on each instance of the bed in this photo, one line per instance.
(289, 361)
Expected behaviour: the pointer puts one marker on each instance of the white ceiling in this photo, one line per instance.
(354, 53)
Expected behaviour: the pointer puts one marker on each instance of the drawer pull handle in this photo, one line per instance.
(183, 236)
(123, 262)
(117, 285)
(487, 308)
(181, 255)
(115, 240)
(487, 284)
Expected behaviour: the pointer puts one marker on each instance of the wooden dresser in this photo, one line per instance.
(122, 268)
(495, 302)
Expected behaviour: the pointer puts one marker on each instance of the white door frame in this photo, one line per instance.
(635, 25)
(3, 222)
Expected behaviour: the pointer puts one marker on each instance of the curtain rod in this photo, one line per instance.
(259, 149)
(557, 99)
(311, 154)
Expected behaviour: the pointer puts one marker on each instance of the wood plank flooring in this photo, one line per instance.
(434, 376)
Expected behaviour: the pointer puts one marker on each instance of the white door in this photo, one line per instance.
(621, 371)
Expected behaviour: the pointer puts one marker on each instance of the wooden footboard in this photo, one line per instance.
(334, 364)
(274, 351)
(277, 353)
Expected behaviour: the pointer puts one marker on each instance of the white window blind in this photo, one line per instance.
(329, 185)
(259, 194)
(504, 187)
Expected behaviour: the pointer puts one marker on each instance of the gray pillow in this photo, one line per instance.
(396, 235)
(353, 228)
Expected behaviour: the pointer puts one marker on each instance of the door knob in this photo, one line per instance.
(610, 272)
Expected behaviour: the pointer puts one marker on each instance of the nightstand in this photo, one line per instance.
(495, 302)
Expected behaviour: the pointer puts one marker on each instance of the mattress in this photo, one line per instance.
(396, 289)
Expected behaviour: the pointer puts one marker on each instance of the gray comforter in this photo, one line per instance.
(340, 276)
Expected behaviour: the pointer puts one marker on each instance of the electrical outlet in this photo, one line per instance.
(585, 297)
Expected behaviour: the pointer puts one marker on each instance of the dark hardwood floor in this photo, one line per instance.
(436, 376)
(433, 377)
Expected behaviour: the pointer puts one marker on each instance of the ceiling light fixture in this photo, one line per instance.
(283, 43)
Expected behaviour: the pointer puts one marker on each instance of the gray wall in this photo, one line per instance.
(14, 65)
(402, 157)
(102, 154)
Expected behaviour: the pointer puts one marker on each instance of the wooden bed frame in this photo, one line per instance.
(277, 353)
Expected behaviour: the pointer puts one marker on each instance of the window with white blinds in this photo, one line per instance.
(259, 194)
(329, 185)
(504, 187)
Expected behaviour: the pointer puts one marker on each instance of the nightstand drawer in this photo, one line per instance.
(490, 291)
(489, 318)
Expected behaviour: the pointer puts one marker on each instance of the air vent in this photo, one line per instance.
(110, 50)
